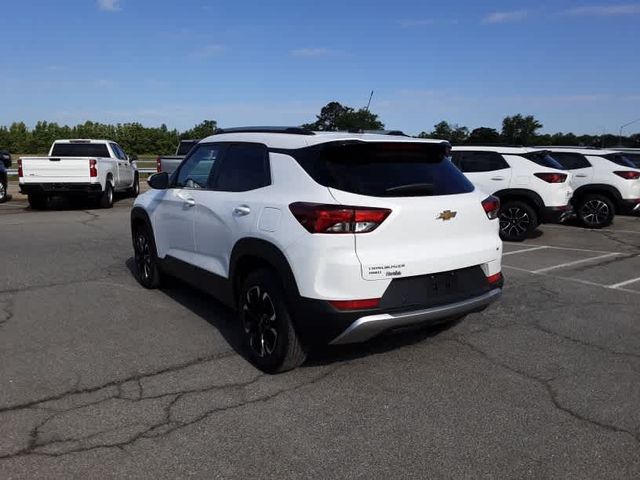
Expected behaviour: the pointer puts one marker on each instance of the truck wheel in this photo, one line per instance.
(3, 191)
(37, 202)
(135, 188)
(517, 221)
(106, 199)
(146, 258)
(266, 328)
(596, 211)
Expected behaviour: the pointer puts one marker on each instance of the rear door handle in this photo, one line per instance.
(241, 211)
(497, 178)
(580, 175)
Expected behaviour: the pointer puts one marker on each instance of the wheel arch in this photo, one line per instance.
(599, 189)
(139, 216)
(251, 253)
(522, 194)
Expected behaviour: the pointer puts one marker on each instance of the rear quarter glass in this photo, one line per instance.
(385, 169)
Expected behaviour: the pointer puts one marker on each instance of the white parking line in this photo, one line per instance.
(611, 230)
(576, 262)
(524, 250)
(625, 283)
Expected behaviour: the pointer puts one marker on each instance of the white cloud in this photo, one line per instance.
(604, 10)
(209, 51)
(506, 17)
(310, 52)
(109, 5)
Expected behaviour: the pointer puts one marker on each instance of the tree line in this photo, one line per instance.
(136, 139)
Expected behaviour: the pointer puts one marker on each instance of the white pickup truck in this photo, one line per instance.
(90, 168)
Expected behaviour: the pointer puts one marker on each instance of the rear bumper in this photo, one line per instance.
(367, 327)
(60, 188)
(557, 214)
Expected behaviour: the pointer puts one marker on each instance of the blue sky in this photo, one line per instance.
(574, 65)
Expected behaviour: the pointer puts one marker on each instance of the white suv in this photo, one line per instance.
(321, 237)
(532, 186)
(605, 182)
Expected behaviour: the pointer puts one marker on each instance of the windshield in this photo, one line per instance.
(543, 159)
(385, 169)
(620, 159)
(80, 150)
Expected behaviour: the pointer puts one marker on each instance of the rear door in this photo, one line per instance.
(125, 170)
(437, 222)
(578, 165)
(487, 170)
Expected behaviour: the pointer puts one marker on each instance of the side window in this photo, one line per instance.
(456, 157)
(481, 162)
(571, 161)
(197, 171)
(117, 151)
(245, 167)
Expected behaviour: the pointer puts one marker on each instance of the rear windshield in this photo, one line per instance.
(185, 147)
(543, 159)
(385, 169)
(80, 150)
(634, 158)
(620, 159)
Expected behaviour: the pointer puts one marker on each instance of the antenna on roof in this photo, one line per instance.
(369, 102)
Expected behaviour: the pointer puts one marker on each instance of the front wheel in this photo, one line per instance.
(596, 211)
(3, 191)
(267, 330)
(146, 258)
(517, 221)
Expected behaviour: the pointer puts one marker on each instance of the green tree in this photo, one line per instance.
(484, 135)
(453, 133)
(334, 116)
(520, 130)
(201, 130)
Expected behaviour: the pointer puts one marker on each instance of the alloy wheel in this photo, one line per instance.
(143, 256)
(3, 191)
(259, 321)
(514, 222)
(595, 212)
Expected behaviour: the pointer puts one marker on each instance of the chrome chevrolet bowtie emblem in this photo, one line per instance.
(447, 215)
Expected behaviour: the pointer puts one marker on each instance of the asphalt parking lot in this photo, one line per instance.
(100, 378)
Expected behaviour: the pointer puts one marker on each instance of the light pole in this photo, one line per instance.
(622, 127)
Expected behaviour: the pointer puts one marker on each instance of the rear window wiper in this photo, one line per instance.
(413, 188)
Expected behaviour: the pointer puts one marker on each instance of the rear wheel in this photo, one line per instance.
(135, 188)
(37, 202)
(596, 211)
(266, 327)
(106, 199)
(146, 258)
(517, 221)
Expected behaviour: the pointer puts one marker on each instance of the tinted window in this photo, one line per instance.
(634, 157)
(118, 152)
(620, 159)
(196, 171)
(470, 162)
(245, 167)
(385, 169)
(571, 161)
(80, 150)
(543, 159)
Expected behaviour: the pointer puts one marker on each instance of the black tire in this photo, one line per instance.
(37, 202)
(4, 193)
(106, 199)
(595, 211)
(134, 191)
(147, 268)
(266, 328)
(517, 220)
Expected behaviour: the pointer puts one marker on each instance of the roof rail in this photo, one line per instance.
(397, 133)
(504, 145)
(290, 130)
(581, 147)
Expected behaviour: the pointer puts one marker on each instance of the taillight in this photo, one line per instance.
(355, 304)
(158, 164)
(494, 279)
(20, 168)
(320, 218)
(628, 175)
(491, 207)
(93, 171)
(552, 177)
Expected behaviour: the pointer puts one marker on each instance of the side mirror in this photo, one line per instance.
(159, 181)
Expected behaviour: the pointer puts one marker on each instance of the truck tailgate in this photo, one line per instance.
(53, 169)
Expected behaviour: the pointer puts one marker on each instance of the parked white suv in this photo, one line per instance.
(605, 182)
(532, 187)
(321, 237)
